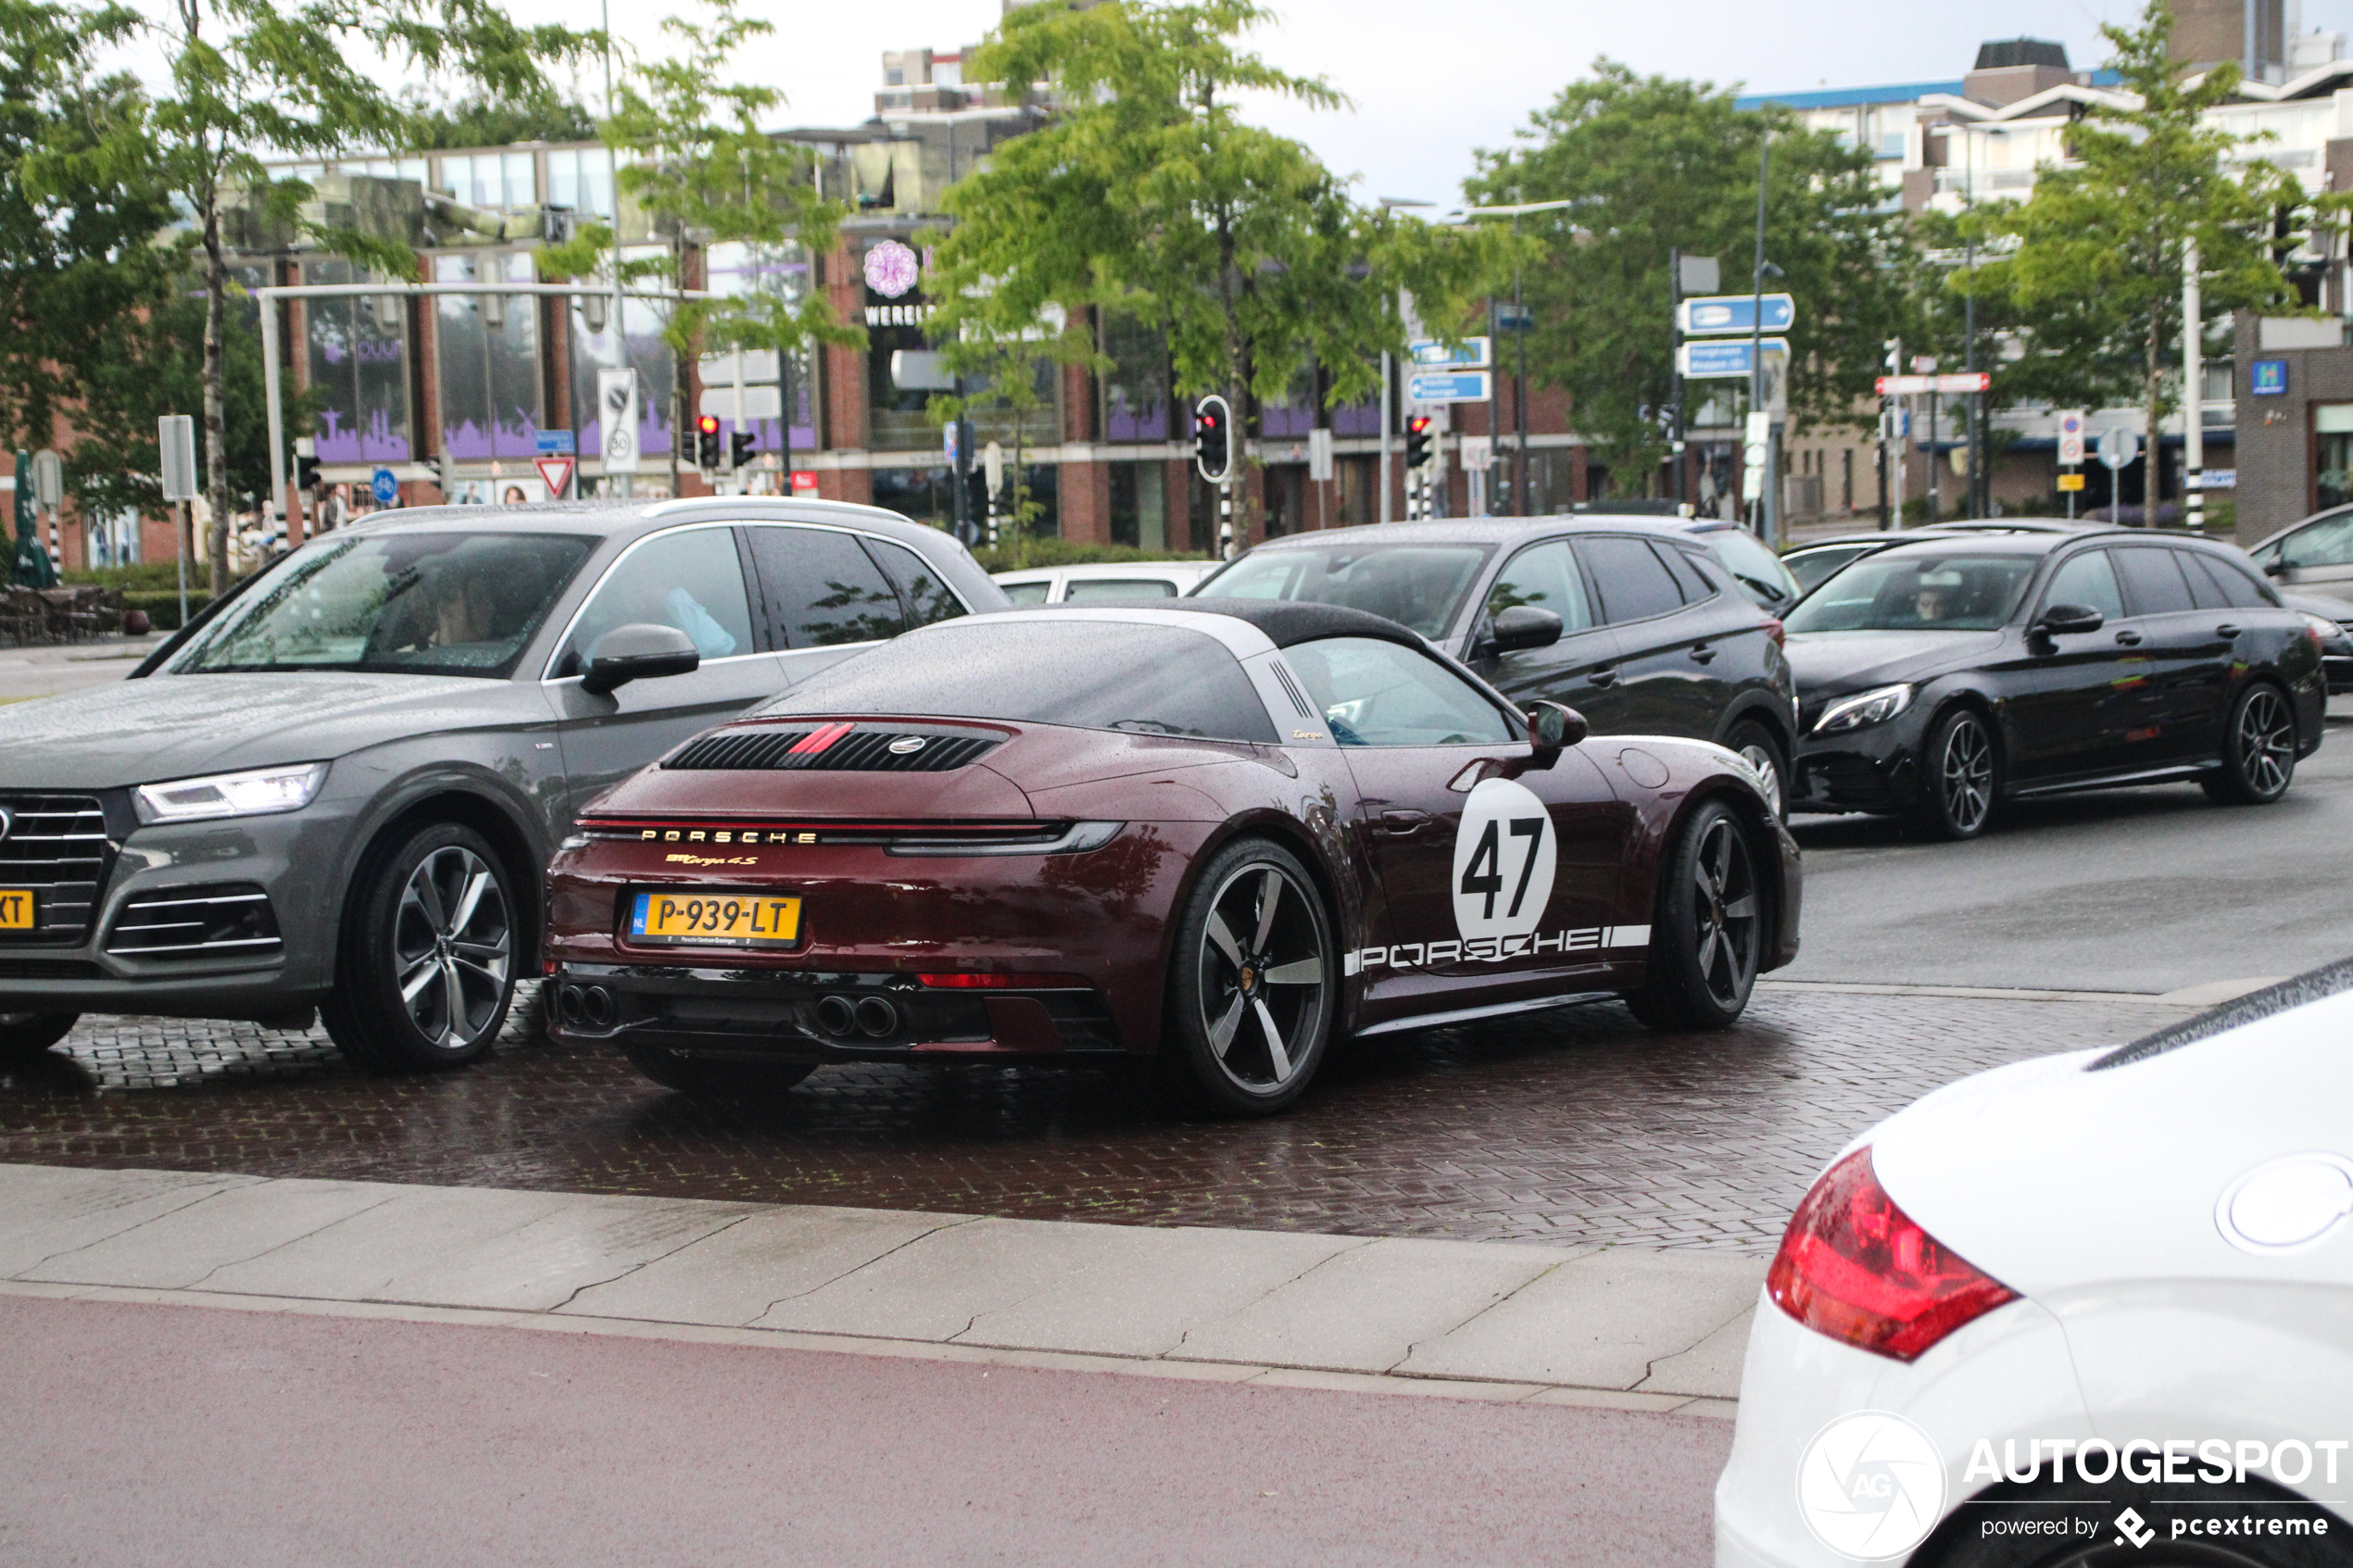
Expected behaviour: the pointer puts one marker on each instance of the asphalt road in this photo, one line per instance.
(2149, 890)
(140, 1434)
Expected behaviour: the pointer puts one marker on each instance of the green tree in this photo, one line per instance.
(2094, 266)
(79, 205)
(1656, 164)
(482, 121)
(1148, 193)
(702, 168)
(310, 79)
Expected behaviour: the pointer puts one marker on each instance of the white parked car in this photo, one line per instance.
(1104, 580)
(2091, 1307)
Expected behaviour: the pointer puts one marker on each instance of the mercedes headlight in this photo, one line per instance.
(1874, 706)
(261, 793)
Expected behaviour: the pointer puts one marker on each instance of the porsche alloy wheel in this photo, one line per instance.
(25, 1036)
(1708, 934)
(2258, 758)
(428, 969)
(1958, 776)
(1252, 998)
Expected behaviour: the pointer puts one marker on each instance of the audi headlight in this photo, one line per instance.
(262, 793)
(1874, 706)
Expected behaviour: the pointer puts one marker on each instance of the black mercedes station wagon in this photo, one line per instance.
(1939, 678)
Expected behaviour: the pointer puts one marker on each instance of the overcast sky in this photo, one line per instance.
(1432, 80)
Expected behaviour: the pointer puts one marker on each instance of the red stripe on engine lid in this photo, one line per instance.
(818, 740)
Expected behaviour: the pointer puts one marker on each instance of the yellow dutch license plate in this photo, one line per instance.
(16, 908)
(743, 920)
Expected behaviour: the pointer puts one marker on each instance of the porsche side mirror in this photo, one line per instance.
(639, 652)
(1524, 626)
(2064, 620)
(1552, 727)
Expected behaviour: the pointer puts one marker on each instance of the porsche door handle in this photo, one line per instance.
(1602, 677)
(2129, 639)
(1703, 654)
(1403, 824)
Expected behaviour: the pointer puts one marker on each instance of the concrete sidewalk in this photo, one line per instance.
(1603, 1326)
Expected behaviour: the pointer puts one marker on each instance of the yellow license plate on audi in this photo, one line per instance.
(16, 908)
(746, 920)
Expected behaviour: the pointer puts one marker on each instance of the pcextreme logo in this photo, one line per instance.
(1870, 1486)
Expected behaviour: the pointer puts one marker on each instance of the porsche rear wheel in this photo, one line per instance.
(1254, 984)
(24, 1035)
(1708, 933)
(699, 1075)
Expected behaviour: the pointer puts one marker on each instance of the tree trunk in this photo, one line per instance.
(216, 442)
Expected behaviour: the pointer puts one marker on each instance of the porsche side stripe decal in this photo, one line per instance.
(1495, 949)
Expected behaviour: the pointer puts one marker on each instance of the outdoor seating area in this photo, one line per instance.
(43, 616)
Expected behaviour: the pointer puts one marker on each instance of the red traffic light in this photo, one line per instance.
(1419, 424)
(707, 425)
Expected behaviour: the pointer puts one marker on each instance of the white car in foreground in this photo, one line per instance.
(2091, 1308)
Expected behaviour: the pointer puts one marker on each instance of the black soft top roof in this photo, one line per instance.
(1285, 622)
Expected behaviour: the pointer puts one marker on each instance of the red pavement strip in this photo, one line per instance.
(150, 1435)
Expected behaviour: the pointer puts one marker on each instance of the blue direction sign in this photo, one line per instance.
(1453, 387)
(1733, 313)
(1703, 361)
(557, 443)
(1471, 354)
(385, 488)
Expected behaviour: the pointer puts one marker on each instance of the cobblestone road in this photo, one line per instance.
(1576, 1126)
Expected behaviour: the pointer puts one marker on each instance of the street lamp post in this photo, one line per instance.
(1520, 331)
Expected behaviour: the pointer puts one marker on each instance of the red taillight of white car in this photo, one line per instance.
(1855, 1267)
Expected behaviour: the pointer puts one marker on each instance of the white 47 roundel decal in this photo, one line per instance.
(1503, 862)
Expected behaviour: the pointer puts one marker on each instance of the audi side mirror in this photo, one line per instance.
(1552, 727)
(2279, 566)
(2064, 620)
(1525, 626)
(639, 652)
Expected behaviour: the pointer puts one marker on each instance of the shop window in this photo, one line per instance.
(358, 365)
(2332, 455)
(489, 359)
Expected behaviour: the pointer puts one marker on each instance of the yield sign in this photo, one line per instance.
(557, 473)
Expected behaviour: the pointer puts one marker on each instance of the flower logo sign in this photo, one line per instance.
(891, 268)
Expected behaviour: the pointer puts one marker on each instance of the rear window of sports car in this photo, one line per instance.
(1090, 675)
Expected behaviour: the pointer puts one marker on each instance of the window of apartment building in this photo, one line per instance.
(580, 179)
(2332, 454)
(489, 358)
(357, 360)
(1135, 389)
(738, 271)
(1140, 504)
(493, 179)
(636, 340)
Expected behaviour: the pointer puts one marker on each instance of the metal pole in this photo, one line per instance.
(1519, 401)
(1386, 509)
(1761, 523)
(620, 323)
(276, 417)
(179, 555)
(2193, 391)
(1969, 363)
(1675, 372)
(1935, 480)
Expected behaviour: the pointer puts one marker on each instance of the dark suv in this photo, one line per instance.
(1635, 624)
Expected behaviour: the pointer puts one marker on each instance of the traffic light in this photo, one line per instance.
(306, 472)
(1213, 438)
(739, 446)
(706, 444)
(1417, 448)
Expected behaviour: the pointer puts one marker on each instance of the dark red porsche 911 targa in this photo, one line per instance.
(1219, 835)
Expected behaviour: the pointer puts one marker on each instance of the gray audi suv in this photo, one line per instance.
(339, 789)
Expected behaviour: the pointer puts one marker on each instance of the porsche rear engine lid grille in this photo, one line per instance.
(835, 748)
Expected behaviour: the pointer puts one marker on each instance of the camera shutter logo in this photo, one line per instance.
(1870, 1485)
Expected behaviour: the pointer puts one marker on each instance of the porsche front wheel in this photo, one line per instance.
(1253, 986)
(1708, 932)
